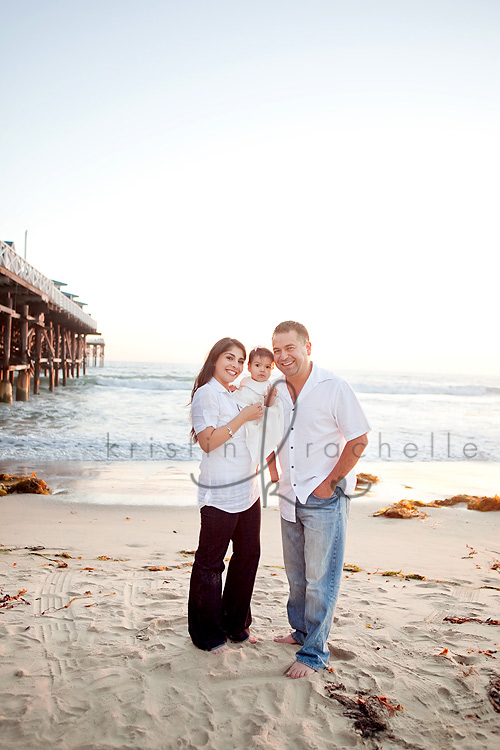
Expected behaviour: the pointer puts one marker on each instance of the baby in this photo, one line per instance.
(253, 390)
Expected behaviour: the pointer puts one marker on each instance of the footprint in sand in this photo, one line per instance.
(341, 654)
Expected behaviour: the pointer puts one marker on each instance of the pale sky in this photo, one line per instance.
(198, 169)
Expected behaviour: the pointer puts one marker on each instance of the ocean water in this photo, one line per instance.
(139, 412)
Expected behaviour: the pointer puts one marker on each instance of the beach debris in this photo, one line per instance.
(488, 652)
(483, 504)
(390, 573)
(9, 601)
(87, 595)
(142, 635)
(45, 557)
(443, 652)
(494, 692)
(10, 483)
(364, 710)
(187, 552)
(471, 553)
(385, 702)
(403, 509)
(387, 573)
(363, 478)
(412, 508)
(462, 620)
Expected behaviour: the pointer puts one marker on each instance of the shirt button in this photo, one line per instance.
(293, 467)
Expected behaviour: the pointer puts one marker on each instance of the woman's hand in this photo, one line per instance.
(254, 411)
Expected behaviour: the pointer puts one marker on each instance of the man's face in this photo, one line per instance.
(291, 355)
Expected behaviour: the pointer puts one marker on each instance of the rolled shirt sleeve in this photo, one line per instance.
(205, 409)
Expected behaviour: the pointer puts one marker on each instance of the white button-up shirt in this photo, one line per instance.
(325, 416)
(226, 480)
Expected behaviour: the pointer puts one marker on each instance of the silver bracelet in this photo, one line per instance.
(229, 430)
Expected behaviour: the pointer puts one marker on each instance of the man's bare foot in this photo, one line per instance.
(299, 670)
(286, 639)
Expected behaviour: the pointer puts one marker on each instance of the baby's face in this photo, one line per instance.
(261, 368)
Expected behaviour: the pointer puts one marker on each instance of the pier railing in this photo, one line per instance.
(13, 262)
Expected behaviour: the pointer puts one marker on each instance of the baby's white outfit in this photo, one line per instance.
(271, 426)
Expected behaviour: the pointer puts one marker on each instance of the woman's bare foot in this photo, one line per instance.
(286, 639)
(299, 670)
(243, 637)
(222, 649)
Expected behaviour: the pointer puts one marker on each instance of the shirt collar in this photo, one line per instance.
(218, 386)
(316, 376)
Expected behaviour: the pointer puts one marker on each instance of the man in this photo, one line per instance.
(326, 433)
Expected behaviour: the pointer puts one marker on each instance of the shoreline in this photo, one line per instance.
(170, 483)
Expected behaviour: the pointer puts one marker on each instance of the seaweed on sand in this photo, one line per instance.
(363, 478)
(412, 508)
(365, 710)
(494, 692)
(483, 504)
(10, 483)
(403, 509)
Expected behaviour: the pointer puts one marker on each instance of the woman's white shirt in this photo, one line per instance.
(227, 480)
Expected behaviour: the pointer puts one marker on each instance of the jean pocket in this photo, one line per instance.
(335, 493)
(322, 502)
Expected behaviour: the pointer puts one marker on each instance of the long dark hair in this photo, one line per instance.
(207, 371)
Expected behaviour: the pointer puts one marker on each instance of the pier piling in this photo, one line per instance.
(5, 392)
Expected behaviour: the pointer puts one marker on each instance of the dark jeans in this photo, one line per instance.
(212, 615)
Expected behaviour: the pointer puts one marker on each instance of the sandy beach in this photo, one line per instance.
(95, 652)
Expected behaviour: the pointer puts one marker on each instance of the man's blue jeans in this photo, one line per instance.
(313, 550)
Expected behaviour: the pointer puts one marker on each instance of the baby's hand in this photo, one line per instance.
(254, 411)
(271, 395)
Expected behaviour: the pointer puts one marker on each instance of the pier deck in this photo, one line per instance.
(41, 328)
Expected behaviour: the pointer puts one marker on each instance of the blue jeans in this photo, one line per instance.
(313, 550)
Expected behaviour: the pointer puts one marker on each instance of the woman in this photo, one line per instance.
(230, 505)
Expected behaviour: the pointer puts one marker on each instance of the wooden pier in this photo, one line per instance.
(95, 351)
(41, 329)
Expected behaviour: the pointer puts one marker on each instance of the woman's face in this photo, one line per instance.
(229, 365)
